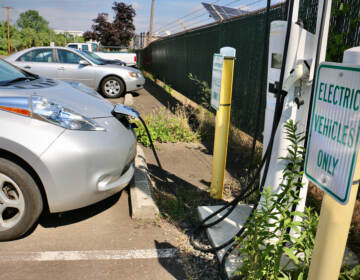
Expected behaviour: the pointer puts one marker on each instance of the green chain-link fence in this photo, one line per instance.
(172, 59)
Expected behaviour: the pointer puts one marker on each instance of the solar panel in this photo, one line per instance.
(222, 12)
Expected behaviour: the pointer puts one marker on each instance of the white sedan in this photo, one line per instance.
(73, 65)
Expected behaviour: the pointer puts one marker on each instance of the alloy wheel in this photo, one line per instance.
(12, 203)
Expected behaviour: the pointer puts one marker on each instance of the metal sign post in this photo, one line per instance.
(332, 162)
(221, 99)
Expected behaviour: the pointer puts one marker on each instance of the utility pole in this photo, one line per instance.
(8, 26)
(151, 22)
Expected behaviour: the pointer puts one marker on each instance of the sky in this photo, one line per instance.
(169, 16)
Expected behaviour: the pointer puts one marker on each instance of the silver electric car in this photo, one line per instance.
(69, 64)
(62, 146)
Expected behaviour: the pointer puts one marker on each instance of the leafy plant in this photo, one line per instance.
(350, 273)
(167, 87)
(278, 240)
(203, 90)
(166, 127)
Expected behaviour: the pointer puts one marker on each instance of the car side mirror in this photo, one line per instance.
(83, 62)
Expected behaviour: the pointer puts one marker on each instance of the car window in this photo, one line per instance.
(39, 55)
(68, 57)
(72, 46)
(89, 56)
(85, 47)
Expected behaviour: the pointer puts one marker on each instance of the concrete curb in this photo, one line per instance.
(128, 99)
(142, 202)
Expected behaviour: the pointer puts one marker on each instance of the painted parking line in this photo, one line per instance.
(88, 255)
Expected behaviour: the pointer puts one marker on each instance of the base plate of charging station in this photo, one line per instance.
(230, 226)
(225, 230)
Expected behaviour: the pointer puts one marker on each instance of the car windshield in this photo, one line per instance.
(93, 55)
(10, 73)
(89, 57)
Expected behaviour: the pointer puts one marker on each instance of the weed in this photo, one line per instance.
(165, 127)
(167, 87)
(267, 230)
(203, 90)
(269, 250)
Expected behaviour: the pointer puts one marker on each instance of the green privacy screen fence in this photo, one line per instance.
(172, 59)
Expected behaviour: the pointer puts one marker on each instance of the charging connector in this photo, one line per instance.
(301, 71)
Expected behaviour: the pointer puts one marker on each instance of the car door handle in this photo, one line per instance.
(61, 68)
(27, 67)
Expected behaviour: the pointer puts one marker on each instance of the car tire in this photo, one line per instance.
(20, 201)
(112, 87)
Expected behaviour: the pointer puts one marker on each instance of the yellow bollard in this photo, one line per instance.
(332, 234)
(222, 126)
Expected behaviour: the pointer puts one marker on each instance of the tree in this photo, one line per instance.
(32, 19)
(124, 29)
(116, 33)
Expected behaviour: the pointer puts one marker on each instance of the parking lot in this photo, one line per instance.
(97, 242)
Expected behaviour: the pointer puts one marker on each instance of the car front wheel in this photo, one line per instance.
(20, 201)
(112, 87)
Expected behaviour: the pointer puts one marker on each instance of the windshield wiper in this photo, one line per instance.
(19, 79)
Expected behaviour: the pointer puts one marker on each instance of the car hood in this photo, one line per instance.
(74, 96)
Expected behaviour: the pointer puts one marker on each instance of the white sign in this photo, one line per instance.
(334, 133)
(218, 63)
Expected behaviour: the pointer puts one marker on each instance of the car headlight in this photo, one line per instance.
(61, 116)
(134, 74)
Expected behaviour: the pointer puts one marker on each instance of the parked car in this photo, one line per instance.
(83, 46)
(129, 58)
(106, 61)
(107, 54)
(62, 146)
(74, 65)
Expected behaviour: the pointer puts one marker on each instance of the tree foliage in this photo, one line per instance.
(116, 33)
(32, 19)
(29, 37)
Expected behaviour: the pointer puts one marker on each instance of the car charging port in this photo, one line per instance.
(120, 111)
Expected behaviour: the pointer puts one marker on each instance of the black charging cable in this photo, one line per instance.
(266, 160)
(151, 143)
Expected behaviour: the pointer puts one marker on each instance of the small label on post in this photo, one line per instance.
(218, 63)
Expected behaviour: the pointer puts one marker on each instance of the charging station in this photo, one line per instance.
(297, 89)
(294, 54)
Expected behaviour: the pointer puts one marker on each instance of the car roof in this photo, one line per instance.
(20, 53)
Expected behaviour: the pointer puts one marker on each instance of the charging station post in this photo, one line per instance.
(332, 234)
(222, 121)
